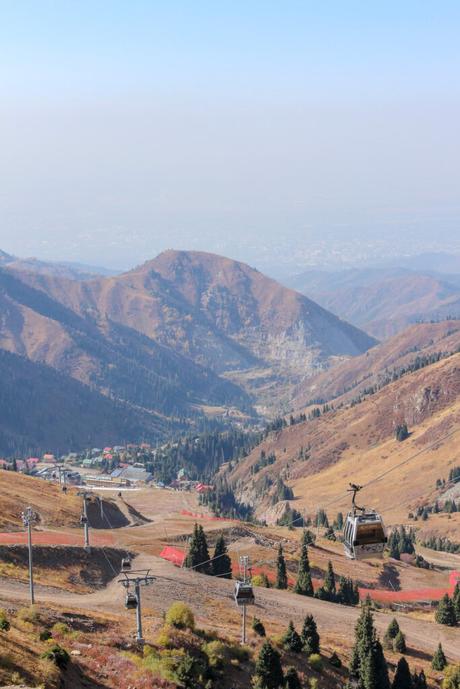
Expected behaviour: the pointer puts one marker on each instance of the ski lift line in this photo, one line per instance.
(388, 471)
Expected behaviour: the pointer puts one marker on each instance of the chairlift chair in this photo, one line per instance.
(131, 601)
(364, 532)
(244, 594)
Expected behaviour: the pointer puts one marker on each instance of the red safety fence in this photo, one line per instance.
(173, 555)
(55, 538)
(208, 517)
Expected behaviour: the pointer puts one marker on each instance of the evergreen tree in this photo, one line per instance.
(291, 640)
(329, 581)
(419, 680)
(348, 593)
(292, 680)
(445, 614)
(269, 674)
(368, 665)
(198, 553)
(303, 585)
(439, 661)
(391, 633)
(402, 678)
(456, 602)
(221, 563)
(310, 637)
(281, 574)
(399, 643)
(339, 521)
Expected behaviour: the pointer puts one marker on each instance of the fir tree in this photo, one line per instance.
(269, 674)
(402, 678)
(310, 637)
(439, 661)
(456, 601)
(368, 665)
(445, 614)
(258, 627)
(281, 574)
(339, 521)
(221, 563)
(390, 634)
(303, 585)
(419, 680)
(291, 640)
(292, 680)
(399, 643)
(329, 580)
(198, 553)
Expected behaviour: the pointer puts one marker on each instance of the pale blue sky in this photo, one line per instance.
(129, 127)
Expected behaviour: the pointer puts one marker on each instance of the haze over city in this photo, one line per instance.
(278, 133)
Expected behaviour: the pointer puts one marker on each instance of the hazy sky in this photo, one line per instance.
(250, 128)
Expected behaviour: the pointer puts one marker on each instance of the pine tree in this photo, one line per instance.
(399, 643)
(368, 665)
(402, 678)
(391, 633)
(339, 521)
(291, 640)
(439, 661)
(419, 680)
(292, 680)
(445, 614)
(258, 627)
(198, 553)
(281, 574)
(269, 674)
(310, 637)
(221, 563)
(329, 581)
(303, 585)
(456, 602)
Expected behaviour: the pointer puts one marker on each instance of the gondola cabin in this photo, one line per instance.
(131, 601)
(83, 519)
(244, 595)
(126, 564)
(364, 535)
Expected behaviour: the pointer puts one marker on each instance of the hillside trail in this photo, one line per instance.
(207, 596)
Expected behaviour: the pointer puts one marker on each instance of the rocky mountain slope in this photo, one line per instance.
(220, 314)
(383, 301)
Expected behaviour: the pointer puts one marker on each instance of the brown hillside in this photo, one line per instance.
(357, 443)
(377, 364)
(53, 506)
(222, 314)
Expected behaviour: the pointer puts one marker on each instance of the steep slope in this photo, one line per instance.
(318, 458)
(220, 313)
(382, 301)
(115, 359)
(414, 347)
(43, 410)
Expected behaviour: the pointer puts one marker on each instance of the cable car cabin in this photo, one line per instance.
(131, 601)
(364, 536)
(244, 595)
(83, 519)
(126, 564)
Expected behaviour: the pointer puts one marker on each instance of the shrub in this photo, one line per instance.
(60, 629)
(316, 662)
(58, 655)
(29, 614)
(399, 643)
(164, 637)
(452, 677)
(4, 623)
(179, 615)
(217, 652)
(44, 635)
(335, 660)
(258, 627)
(260, 580)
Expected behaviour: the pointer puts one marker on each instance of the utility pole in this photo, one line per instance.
(84, 520)
(142, 578)
(28, 517)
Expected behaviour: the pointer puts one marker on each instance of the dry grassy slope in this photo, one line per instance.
(54, 507)
(368, 369)
(358, 443)
(220, 312)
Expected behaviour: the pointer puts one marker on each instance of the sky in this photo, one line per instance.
(275, 132)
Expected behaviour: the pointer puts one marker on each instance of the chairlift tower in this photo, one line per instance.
(28, 518)
(84, 519)
(244, 594)
(133, 600)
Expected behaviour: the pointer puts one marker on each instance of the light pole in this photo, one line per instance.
(134, 600)
(28, 517)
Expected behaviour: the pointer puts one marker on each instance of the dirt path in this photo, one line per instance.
(209, 598)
